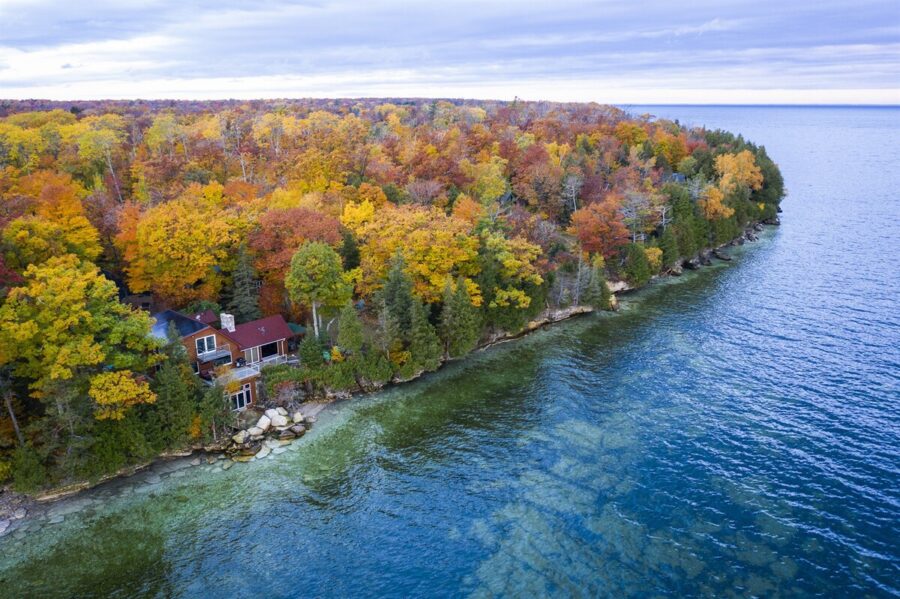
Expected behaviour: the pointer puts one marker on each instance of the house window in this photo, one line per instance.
(251, 355)
(270, 349)
(226, 359)
(195, 366)
(241, 399)
(206, 344)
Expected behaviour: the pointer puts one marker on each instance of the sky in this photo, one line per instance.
(638, 52)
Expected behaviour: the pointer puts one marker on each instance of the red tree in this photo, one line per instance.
(600, 228)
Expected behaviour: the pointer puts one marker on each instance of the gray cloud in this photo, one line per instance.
(173, 49)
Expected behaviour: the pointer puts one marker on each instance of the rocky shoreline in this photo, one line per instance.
(275, 429)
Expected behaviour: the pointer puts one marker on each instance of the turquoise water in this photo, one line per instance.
(731, 433)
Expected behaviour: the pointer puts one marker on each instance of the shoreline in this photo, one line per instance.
(17, 509)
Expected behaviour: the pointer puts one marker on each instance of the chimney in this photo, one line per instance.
(227, 321)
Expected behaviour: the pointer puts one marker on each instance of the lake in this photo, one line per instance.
(733, 432)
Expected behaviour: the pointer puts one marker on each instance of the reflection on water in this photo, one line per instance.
(730, 433)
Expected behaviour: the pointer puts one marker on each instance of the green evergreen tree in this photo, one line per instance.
(349, 250)
(637, 267)
(597, 293)
(350, 331)
(460, 320)
(244, 303)
(669, 247)
(398, 298)
(310, 351)
(424, 344)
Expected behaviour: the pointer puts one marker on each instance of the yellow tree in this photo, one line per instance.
(180, 250)
(115, 392)
(65, 320)
(737, 171)
(434, 246)
(711, 204)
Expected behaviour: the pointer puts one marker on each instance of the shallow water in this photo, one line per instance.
(731, 433)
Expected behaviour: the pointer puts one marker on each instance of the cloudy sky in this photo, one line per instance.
(656, 51)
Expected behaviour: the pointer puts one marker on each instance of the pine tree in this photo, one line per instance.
(310, 351)
(349, 250)
(669, 247)
(637, 267)
(398, 298)
(424, 344)
(244, 302)
(597, 293)
(460, 321)
(350, 331)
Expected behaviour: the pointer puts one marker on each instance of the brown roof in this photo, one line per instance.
(259, 332)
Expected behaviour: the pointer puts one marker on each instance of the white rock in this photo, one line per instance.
(270, 443)
(20, 513)
(241, 437)
(263, 422)
(279, 420)
(254, 431)
(271, 413)
(263, 452)
(281, 411)
(297, 417)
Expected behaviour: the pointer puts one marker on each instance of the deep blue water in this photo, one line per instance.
(731, 433)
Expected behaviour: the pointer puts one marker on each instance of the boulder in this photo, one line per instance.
(286, 434)
(751, 236)
(309, 420)
(20, 513)
(297, 417)
(228, 464)
(281, 411)
(263, 423)
(739, 241)
(241, 458)
(254, 431)
(758, 227)
(773, 221)
(195, 462)
(263, 452)
(298, 430)
(279, 421)
(705, 257)
(271, 413)
(721, 255)
(692, 264)
(676, 270)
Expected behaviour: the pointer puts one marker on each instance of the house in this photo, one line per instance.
(244, 349)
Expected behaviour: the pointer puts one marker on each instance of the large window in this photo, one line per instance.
(251, 356)
(241, 399)
(270, 349)
(206, 344)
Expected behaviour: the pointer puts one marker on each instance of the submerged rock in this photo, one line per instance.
(721, 255)
(263, 452)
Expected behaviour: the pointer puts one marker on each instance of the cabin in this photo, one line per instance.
(242, 349)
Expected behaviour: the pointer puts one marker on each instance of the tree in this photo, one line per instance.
(244, 303)
(711, 205)
(600, 228)
(597, 293)
(316, 279)
(737, 171)
(669, 246)
(460, 323)
(65, 321)
(424, 343)
(350, 331)
(398, 298)
(116, 392)
(637, 267)
(434, 246)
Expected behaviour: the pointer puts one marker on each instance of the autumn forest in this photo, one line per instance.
(397, 233)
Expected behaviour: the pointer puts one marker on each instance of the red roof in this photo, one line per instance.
(206, 317)
(259, 332)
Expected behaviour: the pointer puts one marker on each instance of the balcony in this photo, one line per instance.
(220, 351)
(249, 371)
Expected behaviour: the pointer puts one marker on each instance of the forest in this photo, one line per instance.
(401, 233)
